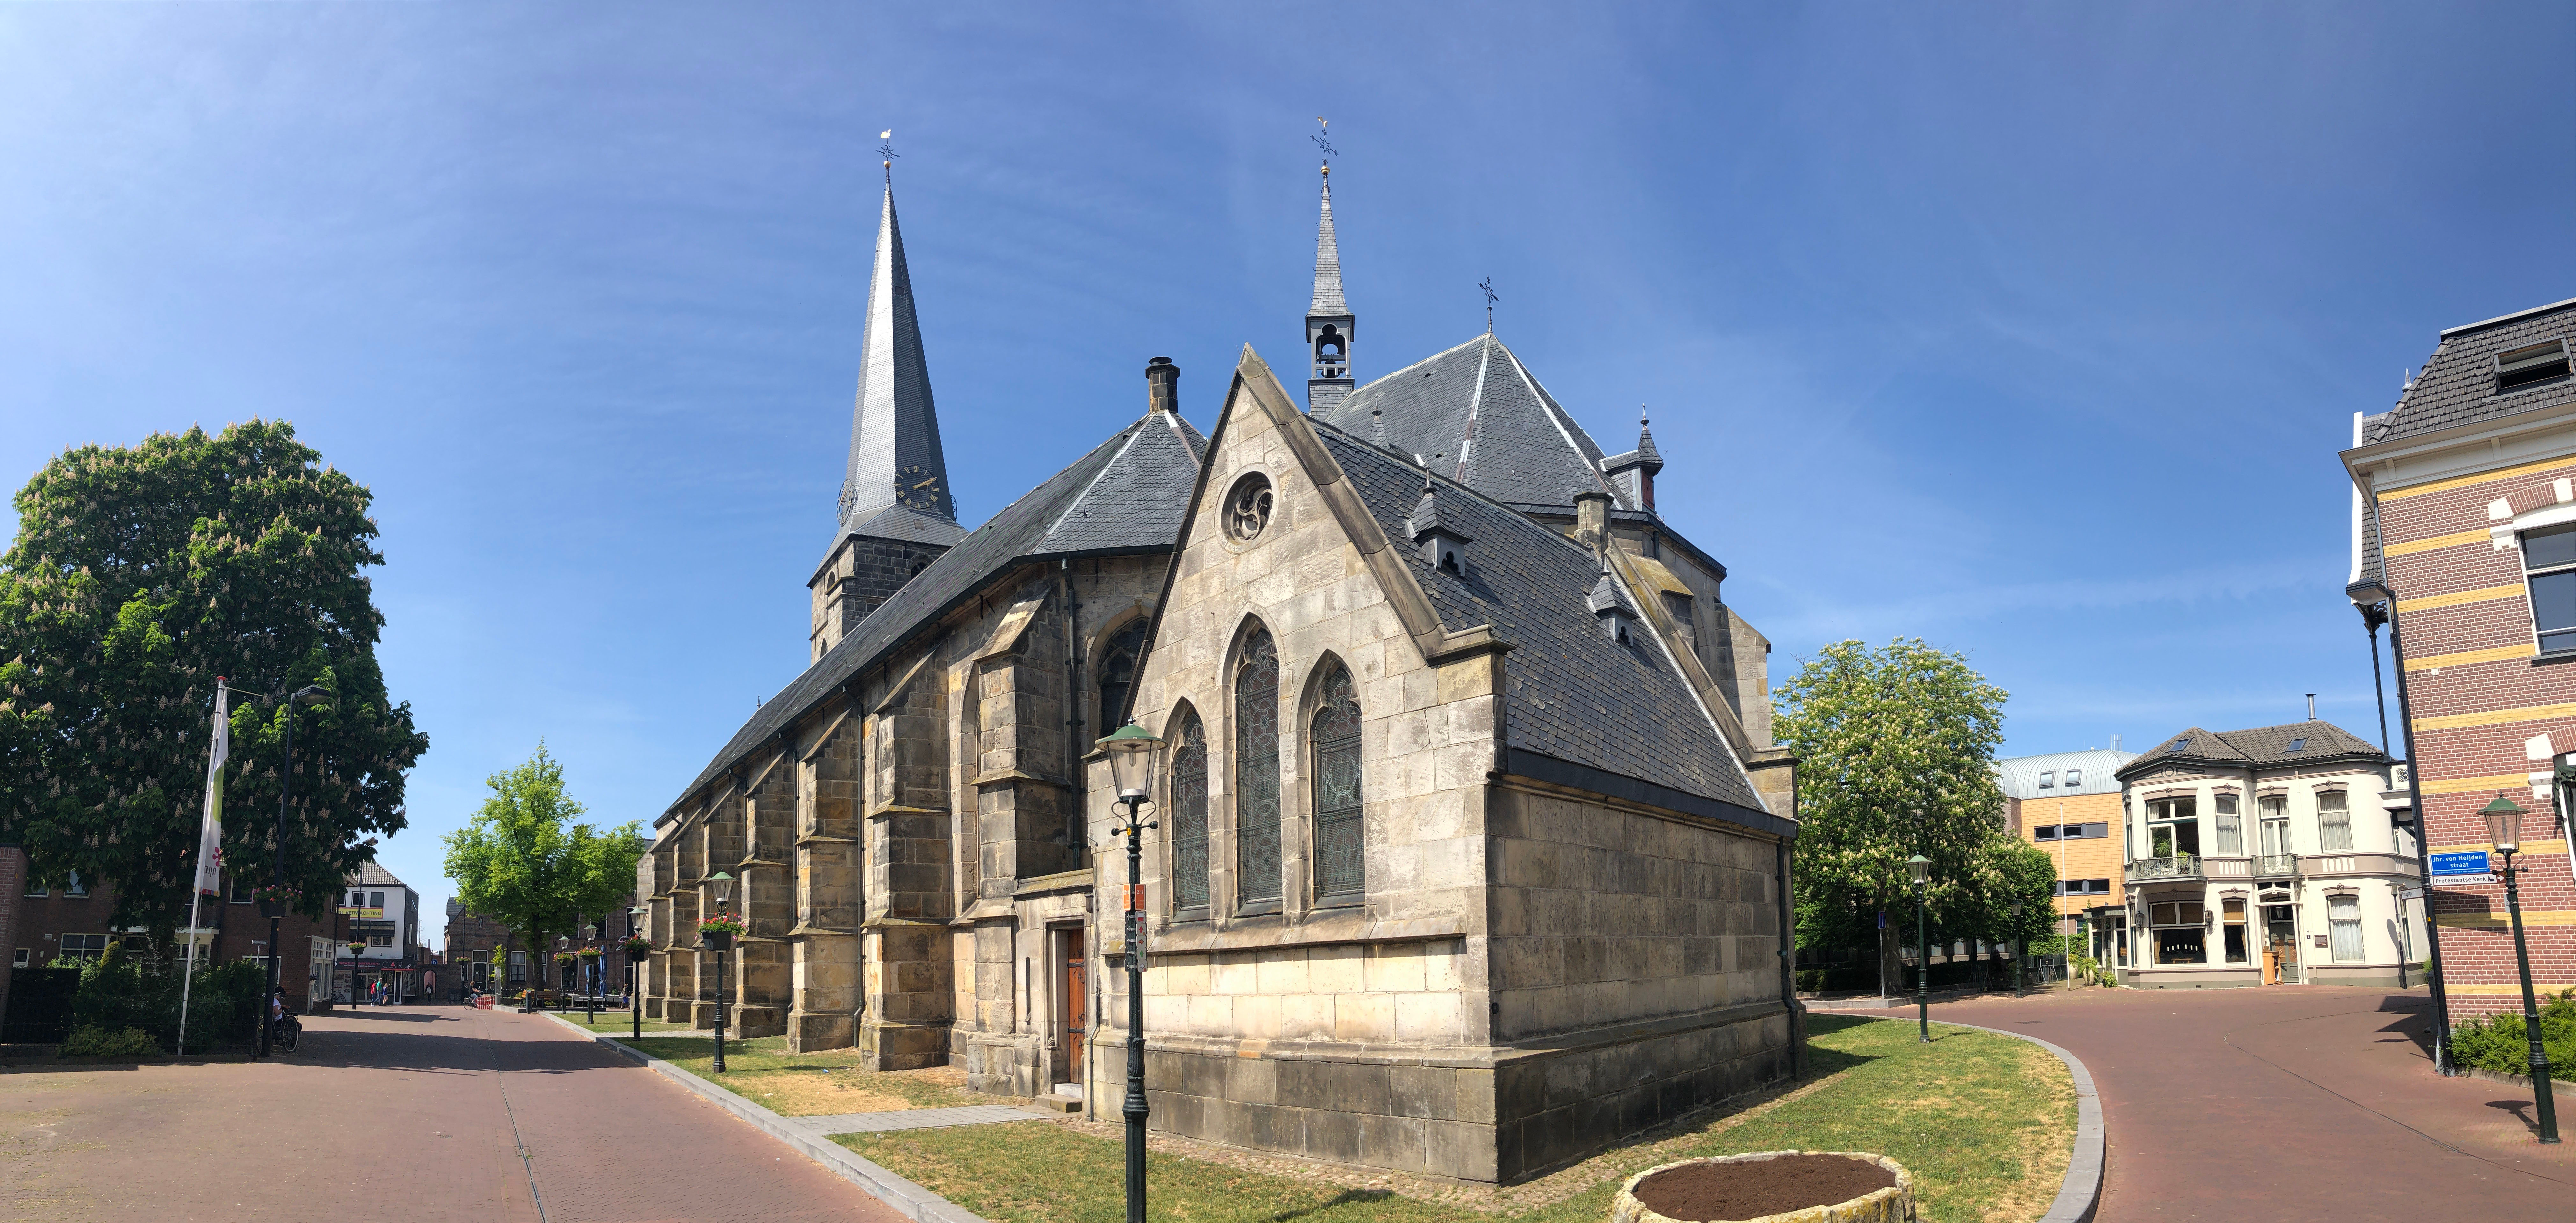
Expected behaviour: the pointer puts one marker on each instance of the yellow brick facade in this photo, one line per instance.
(2088, 858)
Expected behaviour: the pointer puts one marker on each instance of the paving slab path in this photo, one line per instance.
(429, 1113)
(2290, 1103)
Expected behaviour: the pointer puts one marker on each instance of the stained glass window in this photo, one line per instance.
(1341, 852)
(1189, 817)
(1256, 773)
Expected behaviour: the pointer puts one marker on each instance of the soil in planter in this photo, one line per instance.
(1753, 1189)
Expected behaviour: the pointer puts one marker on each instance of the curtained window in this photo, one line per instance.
(1341, 853)
(1256, 774)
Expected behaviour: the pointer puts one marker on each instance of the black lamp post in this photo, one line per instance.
(1131, 764)
(634, 985)
(2018, 948)
(2504, 829)
(722, 884)
(2378, 601)
(590, 957)
(1922, 869)
(357, 948)
(310, 694)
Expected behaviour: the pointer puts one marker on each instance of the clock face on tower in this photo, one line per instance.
(916, 488)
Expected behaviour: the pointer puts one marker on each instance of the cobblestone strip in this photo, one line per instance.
(911, 1199)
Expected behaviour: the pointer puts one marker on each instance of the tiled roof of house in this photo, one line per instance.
(2258, 747)
(375, 876)
(2458, 385)
(1573, 694)
(1127, 495)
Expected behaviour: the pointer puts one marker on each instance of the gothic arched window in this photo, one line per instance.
(1341, 851)
(1189, 811)
(1256, 773)
(1118, 674)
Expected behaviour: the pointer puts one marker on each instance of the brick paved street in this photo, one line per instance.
(2290, 1103)
(412, 1113)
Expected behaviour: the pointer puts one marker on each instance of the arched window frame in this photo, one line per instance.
(1336, 802)
(1187, 818)
(1259, 871)
(1106, 720)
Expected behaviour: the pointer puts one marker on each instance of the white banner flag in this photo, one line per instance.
(210, 834)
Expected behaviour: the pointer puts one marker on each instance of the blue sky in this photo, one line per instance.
(2030, 331)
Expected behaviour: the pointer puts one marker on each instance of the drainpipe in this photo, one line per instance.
(1789, 958)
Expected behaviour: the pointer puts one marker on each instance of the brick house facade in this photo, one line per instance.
(44, 919)
(477, 952)
(2464, 507)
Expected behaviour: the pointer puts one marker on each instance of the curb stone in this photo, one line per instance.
(2080, 1193)
(913, 1201)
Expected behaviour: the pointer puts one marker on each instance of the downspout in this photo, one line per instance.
(2423, 821)
(1789, 960)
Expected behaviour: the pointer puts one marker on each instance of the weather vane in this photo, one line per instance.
(1323, 139)
(1487, 284)
(887, 152)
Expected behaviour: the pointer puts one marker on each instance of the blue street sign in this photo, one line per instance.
(2467, 867)
(1882, 919)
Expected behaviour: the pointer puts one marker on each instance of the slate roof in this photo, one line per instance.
(1127, 495)
(2457, 386)
(2259, 747)
(1494, 427)
(1328, 263)
(894, 427)
(1573, 694)
(2368, 569)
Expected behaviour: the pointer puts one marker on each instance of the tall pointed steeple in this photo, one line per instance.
(1328, 317)
(896, 512)
(897, 483)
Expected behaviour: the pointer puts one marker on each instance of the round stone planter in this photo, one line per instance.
(1762, 1175)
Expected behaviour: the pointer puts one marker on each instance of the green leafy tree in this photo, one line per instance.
(1895, 752)
(138, 576)
(528, 862)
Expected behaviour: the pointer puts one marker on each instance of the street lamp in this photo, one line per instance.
(2377, 601)
(1922, 869)
(2018, 949)
(590, 956)
(1131, 765)
(310, 694)
(634, 987)
(722, 884)
(2504, 830)
(357, 948)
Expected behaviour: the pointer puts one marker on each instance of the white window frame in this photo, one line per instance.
(2230, 818)
(2331, 831)
(2343, 949)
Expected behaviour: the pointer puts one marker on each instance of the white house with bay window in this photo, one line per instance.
(2269, 856)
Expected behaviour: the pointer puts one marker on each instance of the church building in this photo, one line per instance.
(1471, 850)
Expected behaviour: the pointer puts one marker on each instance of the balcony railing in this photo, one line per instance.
(2270, 866)
(2179, 866)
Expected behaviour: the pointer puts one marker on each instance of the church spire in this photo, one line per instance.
(897, 481)
(1328, 317)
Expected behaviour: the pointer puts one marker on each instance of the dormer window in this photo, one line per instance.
(2074, 777)
(2048, 779)
(2531, 365)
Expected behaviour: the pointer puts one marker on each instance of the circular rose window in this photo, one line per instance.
(1247, 508)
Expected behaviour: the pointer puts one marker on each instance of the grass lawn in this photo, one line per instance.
(808, 1084)
(1985, 1123)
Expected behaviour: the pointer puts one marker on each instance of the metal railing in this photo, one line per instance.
(2179, 866)
(2268, 865)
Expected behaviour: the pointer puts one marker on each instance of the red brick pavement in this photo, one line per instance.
(415, 1113)
(2291, 1103)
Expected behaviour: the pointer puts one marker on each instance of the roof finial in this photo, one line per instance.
(1323, 139)
(1487, 284)
(886, 151)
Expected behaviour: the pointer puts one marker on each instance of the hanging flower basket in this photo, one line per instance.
(636, 944)
(565, 957)
(589, 953)
(719, 931)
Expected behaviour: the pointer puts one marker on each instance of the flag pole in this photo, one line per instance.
(209, 853)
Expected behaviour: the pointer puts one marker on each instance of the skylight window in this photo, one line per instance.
(2298, 745)
(2179, 744)
(2075, 777)
(2530, 366)
(2048, 779)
